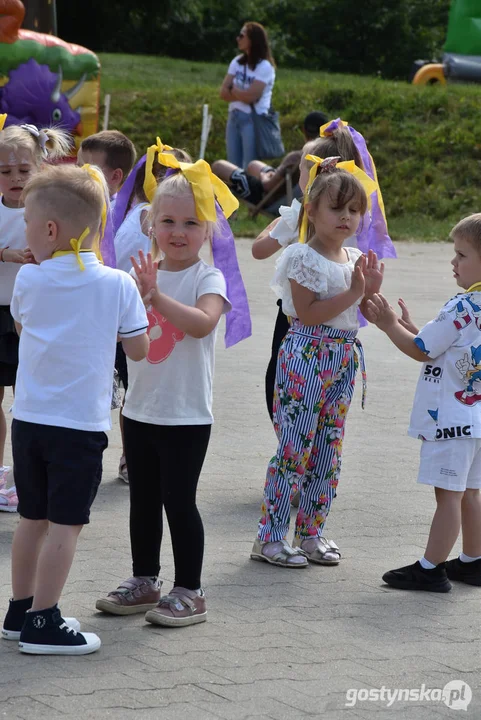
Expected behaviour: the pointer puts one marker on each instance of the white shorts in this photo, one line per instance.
(451, 464)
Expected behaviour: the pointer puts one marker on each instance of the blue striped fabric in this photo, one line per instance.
(315, 378)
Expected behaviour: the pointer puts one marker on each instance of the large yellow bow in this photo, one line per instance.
(349, 166)
(323, 128)
(3, 119)
(150, 183)
(206, 187)
(76, 245)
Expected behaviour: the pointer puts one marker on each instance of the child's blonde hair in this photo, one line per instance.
(342, 188)
(176, 185)
(469, 228)
(48, 143)
(69, 195)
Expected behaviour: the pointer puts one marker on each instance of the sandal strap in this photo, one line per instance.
(287, 550)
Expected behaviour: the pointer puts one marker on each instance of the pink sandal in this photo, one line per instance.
(8, 500)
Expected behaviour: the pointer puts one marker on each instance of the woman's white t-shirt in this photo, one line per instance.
(326, 278)
(12, 235)
(173, 385)
(130, 238)
(244, 76)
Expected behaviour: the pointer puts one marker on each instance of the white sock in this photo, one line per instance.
(468, 558)
(426, 564)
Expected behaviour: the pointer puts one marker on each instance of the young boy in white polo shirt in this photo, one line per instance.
(446, 416)
(69, 309)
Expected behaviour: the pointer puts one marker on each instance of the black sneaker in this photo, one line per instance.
(415, 577)
(15, 617)
(466, 572)
(45, 632)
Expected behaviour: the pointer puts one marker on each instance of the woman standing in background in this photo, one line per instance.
(247, 88)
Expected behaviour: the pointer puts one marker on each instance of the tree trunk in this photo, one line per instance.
(41, 16)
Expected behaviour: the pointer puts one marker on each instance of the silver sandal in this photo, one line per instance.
(326, 552)
(283, 558)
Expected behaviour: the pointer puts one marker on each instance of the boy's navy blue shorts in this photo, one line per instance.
(57, 471)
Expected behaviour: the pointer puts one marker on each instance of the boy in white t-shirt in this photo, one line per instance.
(446, 416)
(69, 310)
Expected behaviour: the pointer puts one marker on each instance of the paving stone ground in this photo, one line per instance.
(278, 644)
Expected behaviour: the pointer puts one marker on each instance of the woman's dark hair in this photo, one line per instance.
(259, 49)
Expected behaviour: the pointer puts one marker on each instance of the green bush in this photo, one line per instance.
(425, 140)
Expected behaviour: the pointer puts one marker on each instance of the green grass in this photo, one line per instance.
(426, 141)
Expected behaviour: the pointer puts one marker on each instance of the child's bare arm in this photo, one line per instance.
(405, 319)
(264, 245)
(312, 311)
(198, 321)
(136, 348)
(380, 313)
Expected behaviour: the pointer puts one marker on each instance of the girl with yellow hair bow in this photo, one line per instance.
(321, 284)
(168, 407)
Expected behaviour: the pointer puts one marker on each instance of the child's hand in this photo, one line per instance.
(146, 272)
(28, 258)
(358, 282)
(373, 273)
(14, 256)
(380, 313)
(405, 319)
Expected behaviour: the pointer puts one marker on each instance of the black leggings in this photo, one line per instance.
(280, 331)
(164, 463)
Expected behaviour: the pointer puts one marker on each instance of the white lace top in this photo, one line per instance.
(286, 231)
(326, 278)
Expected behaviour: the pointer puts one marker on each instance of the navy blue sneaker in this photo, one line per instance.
(45, 632)
(15, 617)
(415, 577)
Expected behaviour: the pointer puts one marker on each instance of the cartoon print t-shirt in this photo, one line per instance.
(173, 385)
(447, 404)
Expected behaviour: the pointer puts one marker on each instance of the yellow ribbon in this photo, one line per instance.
(322, 129)
(150, 183)
(3, 119)
(76, 245)
(97, 177)
(349, 166)
(206, 187)
(474, 288)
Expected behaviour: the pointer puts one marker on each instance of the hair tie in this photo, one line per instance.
(329, 164)
(40, 136)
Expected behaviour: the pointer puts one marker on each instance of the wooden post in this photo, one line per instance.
(41, 16)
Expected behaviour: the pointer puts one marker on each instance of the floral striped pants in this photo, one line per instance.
(315, 378)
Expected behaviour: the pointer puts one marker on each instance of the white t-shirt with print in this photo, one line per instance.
(70, 320)
(326, 278)
(130, 238)
(12, 235)
(447, 404)
(244, 76)
(173, 386)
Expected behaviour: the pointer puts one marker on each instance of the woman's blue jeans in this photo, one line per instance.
(240, 138)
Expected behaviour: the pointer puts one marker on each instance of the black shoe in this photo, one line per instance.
(45, 632)
(466, 572)
(415, 577)
(15, 618)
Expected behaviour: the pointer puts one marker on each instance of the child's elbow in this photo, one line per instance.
(136, 348)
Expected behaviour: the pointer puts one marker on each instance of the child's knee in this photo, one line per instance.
(448, 497)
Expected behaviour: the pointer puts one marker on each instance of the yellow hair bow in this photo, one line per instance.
(349, 166)
(150, 183)
(206, 187)
(323, 128)
(76, 245)
(3, 119)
